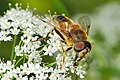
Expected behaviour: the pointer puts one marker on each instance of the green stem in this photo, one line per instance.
(51, 64)
(24, 58)
(20, 43)
(2, 75)
(12, 78)
(19, 61)
(13, 47)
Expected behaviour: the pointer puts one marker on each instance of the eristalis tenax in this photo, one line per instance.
(74, 35)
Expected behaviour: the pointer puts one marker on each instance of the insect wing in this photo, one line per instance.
(46, 18)
(85, 23)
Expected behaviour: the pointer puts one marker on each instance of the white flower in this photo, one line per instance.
(4, 36)
(4, 24)
(48, 51)
(15, 31)
(25, 78)
(30, 28)
(57, 74)
(35, 57)
(80, 72)
(6, 66)
(54, 44)
(5, 78)
(18, 51)
(42, 76)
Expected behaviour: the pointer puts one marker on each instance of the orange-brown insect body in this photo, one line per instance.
(73, 34)
(71, 31)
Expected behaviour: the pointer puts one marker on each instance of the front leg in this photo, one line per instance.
(64, 53)
(45, 38)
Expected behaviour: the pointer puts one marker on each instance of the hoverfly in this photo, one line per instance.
(74, 35)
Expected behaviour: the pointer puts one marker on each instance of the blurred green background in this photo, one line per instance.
(104, 32)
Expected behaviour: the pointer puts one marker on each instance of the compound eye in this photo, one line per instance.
(79, 46)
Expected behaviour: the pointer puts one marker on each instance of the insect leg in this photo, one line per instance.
(75, 61)
(64, 52)
(49, 32)
(45, 38)
(79, 57)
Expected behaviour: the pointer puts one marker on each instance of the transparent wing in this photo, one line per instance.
(85, 23)
(47, 18)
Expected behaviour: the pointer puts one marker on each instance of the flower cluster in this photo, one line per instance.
(18, 22)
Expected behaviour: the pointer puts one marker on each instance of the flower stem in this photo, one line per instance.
(20, 43)
(19, 61)
(51, 64)
(2, 75)
(23, 58)
(13, 47)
